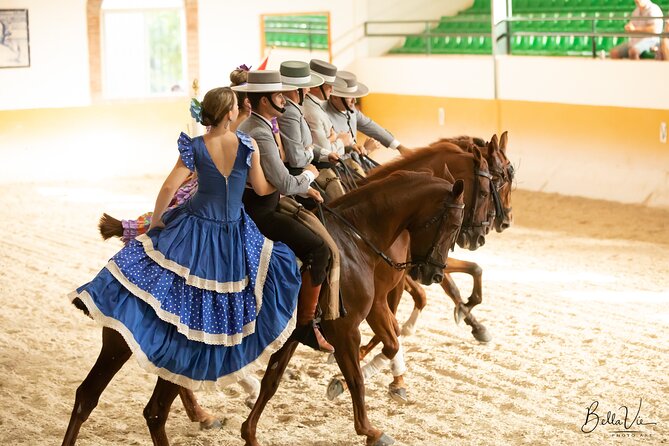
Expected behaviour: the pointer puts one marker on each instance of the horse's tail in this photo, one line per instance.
(110, 227)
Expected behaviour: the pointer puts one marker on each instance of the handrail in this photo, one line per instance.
(429, 32)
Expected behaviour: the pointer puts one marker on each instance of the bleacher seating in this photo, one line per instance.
(297, 31)
(547, 16)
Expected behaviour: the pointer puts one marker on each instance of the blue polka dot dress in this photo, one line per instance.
(206, 299)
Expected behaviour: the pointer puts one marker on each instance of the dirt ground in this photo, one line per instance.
(576, 296)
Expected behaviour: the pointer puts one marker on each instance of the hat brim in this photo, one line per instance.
(334, 83)
(359, 92)
(315, 81)
(260, 88)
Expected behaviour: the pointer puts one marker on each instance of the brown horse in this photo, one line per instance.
(429, 208)
(418, 203)
(502, 178)
(444, 160)
(502, 172)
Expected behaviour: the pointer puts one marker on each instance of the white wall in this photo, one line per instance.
(585, 81)
(562, 80)
(230, 37)
(226, 43)
(440, 76)
(58, 72)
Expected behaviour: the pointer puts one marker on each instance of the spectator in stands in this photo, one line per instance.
(663, 51)
(633, 48)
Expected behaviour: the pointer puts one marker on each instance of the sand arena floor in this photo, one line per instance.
(576, 296)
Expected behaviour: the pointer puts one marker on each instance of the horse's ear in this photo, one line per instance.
(504, 141)
(458, 191)
(447, 174)
(477, 155)
(493, 145)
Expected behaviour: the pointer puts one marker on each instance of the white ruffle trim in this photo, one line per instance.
(181, 380)
(193, 335)
(199, 282)
(263, 267)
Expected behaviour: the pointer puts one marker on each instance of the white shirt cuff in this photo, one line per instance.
(310, 175)
(394, 144)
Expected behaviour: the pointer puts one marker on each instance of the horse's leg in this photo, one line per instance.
(195, 412)
(344, 335)
(419, 300)
(114, 353)
(270, 382)
(383, 322)
(474, 270)
(157, 410)
(251, 386)
(461, 310)
(366, 349)
(393, 298)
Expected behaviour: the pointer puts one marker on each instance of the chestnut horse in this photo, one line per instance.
(429, 208)
(432, 221)
(502, 178)
(502, 172)
(444, 160)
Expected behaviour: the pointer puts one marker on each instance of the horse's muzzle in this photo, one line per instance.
(470, 240)
(426, 274)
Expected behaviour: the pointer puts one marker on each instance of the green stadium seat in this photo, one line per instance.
(415, 44)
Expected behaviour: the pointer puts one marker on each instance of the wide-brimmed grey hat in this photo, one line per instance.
(298, 74)
(325, 70)
(351, 88)
(264, 81)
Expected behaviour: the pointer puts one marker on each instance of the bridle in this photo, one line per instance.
(506, 175)
(471, 213)
(424, 260)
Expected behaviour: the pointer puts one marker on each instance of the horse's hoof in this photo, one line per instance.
(385, 440)
(398, 394)
(482, 335)
(459, 314)
(335, 388)
(331, 359)
(210, 425)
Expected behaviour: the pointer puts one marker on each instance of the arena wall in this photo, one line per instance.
(581, 127)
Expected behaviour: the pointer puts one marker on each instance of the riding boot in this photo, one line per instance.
(306, 311)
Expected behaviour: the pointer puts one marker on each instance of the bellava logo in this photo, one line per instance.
(624, 423)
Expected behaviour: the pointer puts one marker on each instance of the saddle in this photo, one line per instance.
(329, 297)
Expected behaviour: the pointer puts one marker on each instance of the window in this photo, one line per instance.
(143, 48)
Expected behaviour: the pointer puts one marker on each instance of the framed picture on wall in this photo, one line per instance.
(14, 39)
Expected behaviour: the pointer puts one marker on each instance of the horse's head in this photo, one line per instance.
(502, 173)
(433, 233)
(478, 214)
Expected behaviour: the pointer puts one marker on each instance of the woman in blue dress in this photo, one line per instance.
(202, 299)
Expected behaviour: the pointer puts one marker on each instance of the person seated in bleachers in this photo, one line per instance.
(633, 48)
(663, 50)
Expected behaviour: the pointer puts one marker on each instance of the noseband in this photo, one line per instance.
(471, 214)
(501, 213)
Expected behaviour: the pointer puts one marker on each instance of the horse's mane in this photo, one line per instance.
(406, 179)
(417, 155)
